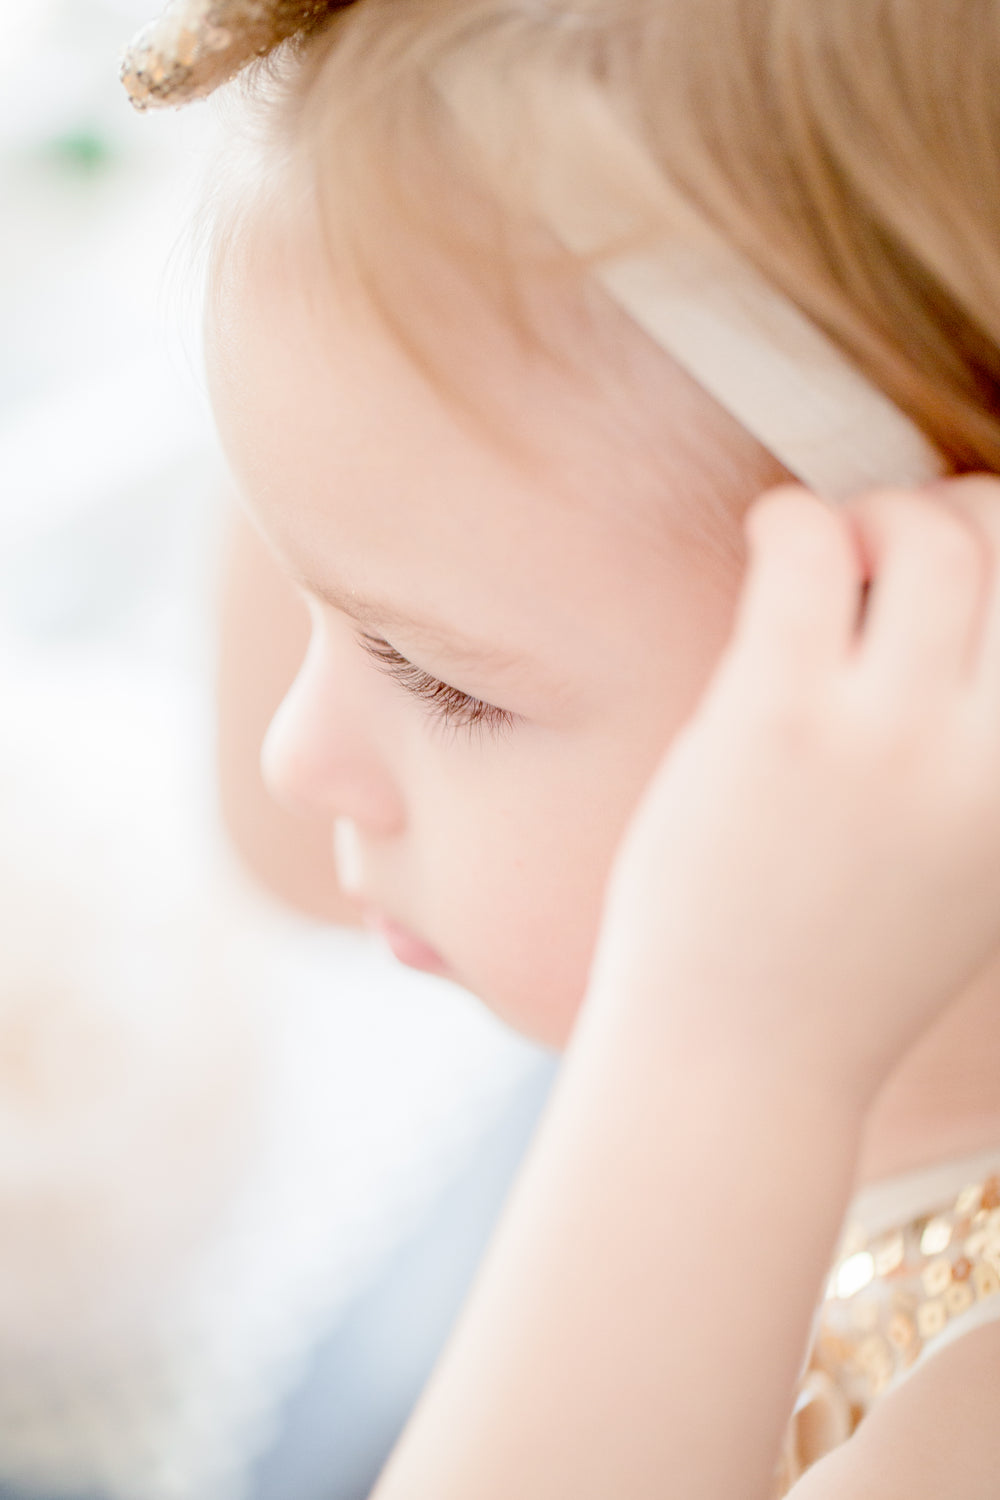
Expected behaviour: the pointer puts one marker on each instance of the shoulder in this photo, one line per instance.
(936, 1435)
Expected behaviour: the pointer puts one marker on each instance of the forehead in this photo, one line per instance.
(372, 482)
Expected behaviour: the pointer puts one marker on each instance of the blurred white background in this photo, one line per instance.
(246, 1163)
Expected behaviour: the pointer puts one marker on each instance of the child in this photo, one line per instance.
(515, 315)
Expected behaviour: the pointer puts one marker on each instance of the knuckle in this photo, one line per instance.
(981, 488)
(977, 497)
(793, 520)
(916, 514)
(882, 501)
(938, 537)
(958, 550)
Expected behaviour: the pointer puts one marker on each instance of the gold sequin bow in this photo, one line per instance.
(887, 1299)
(196, 45)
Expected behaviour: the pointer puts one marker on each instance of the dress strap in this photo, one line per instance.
(891, 1200)
(917, 1266)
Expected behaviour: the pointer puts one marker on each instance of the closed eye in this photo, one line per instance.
(449, 704)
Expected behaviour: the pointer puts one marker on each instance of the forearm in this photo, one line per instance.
(640, 1319)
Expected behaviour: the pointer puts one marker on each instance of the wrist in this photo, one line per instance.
(679, 1030)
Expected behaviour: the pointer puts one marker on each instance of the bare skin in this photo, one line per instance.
(769, 942)
(941, 1100)
(263, 635)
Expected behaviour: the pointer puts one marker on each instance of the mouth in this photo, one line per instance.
(405, 946)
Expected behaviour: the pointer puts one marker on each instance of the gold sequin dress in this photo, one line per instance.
(917, 1266)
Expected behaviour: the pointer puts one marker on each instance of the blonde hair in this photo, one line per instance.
(850, 149)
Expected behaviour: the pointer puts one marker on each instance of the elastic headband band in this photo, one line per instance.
(740, 338)
(773, 369)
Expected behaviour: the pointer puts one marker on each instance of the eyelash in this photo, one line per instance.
(455, 708)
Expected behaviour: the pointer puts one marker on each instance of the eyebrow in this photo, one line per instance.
(375, 616)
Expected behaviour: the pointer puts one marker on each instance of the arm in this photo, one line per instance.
(811, 874)
(263, 634)
(642, 1314)
(936, 1436)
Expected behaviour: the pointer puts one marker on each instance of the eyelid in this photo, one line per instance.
(447, 703)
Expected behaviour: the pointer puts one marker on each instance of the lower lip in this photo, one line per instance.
(405, 947)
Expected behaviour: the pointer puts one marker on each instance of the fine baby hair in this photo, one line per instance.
(844, 151)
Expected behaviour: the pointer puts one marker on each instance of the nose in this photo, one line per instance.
(321, 751)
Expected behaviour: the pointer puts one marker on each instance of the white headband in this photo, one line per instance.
(750, 347)
(724, 323)
(744, 343)
(773, 369)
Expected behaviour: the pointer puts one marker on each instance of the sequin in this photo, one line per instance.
(864, 1316)
(888, 1254)
(973, 1246)
(902, 1331)
(835, 1348)
(855, 1273)
(969, 1199)
(931, 1318)
(991, 1252)
(936, 1237)
(958, 1298)
(885, 1303)
(874, 1355)
(936, 1277)
(986, 1280)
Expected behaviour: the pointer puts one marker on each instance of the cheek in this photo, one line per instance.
(517, 877)
(534, 922)
(516, 842)
(516, 880)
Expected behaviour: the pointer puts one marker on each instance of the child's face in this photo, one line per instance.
(577, 613)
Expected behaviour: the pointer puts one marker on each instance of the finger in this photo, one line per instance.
(802, 589)
(928, 565)
(977, 497)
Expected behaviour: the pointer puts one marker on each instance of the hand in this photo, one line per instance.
(814, 871)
